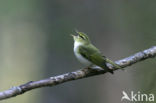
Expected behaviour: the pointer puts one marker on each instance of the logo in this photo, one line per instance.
(138, 96)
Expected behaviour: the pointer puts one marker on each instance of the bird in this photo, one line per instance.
(88, 54)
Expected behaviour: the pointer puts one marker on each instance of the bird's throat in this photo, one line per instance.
(77, 44)
(79, 56)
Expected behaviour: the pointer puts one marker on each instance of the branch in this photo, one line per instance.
(79, 74)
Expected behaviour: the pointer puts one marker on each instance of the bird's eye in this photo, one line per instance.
(82, 37)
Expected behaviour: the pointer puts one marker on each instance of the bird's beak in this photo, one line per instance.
(72, 35)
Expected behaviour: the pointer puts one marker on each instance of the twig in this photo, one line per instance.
(79, 74)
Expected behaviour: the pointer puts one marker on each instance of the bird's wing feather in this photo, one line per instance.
(92, 54)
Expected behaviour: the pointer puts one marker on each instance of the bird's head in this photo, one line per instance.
(81, 38)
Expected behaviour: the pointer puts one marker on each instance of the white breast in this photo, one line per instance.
(80, 57)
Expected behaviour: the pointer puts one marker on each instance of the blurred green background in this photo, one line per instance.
(35, 43)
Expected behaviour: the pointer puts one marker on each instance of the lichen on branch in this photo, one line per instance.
(79, 74)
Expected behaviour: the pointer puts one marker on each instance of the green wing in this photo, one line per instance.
(93, 54)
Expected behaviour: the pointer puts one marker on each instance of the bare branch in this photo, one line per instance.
(79, 74)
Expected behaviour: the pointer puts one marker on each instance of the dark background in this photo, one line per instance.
(35, 43)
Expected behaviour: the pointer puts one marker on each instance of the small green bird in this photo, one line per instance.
(88, 54)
